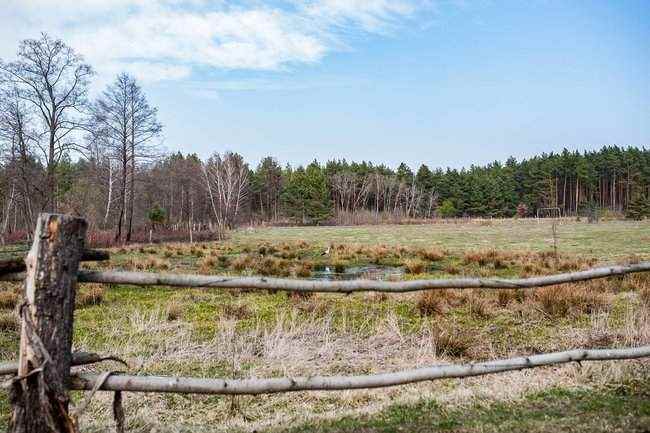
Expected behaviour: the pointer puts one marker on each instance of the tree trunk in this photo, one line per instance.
(40, 399)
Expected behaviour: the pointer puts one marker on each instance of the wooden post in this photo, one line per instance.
(39, 396)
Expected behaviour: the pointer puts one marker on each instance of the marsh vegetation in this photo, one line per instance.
(238, 333)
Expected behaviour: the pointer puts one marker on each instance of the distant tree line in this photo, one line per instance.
(61, 150)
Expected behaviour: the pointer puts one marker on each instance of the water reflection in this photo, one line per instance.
(367, 272)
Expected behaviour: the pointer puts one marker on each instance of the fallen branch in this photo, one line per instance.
(262, 283)
(78, 358)
(11, 266)
(187, 385)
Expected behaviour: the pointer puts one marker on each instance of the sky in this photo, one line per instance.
(440, 82)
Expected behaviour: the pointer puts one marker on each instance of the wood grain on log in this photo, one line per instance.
(39, 395)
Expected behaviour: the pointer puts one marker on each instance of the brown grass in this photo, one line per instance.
(207, 264)
(173, 311)
(455, 343)
(644, 296)
(8, 322)
(414, 266)
(92, 294)
(8, 299)
(431, 254)
(241, 262)
(303, 270)
(236, 311)
(432, 302)
(564, 300)
(478, 304)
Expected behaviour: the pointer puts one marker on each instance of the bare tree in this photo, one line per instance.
(226, 180)
(125, 125)
(53, 80)
(144, 127)
(17, 142)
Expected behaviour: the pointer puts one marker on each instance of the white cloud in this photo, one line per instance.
(168, 39)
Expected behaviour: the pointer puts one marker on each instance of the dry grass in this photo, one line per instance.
(455, 343)
(432, 302)
(9, 322)
(304, 269)
(91, 294)
(236, 312)
(414, 266)
(8, 299)
(431, 254)
(173, 311)
(506, 296)
(207, 264)
(564, 300)
(644, 297)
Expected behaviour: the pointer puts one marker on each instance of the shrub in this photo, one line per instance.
(240, 262)
(522, 210)
(447, 209)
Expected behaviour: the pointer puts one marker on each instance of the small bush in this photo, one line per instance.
(452, 270)
(338, 266)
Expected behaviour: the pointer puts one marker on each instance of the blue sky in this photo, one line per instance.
(446, 83)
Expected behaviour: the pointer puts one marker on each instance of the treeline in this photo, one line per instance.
(61, 150)
(613, 178)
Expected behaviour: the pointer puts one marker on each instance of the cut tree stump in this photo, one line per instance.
(39, 395)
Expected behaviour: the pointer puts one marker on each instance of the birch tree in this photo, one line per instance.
(227, 182)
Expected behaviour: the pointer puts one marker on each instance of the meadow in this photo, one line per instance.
(237, 333)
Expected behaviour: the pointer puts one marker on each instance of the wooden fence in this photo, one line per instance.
(41, 378)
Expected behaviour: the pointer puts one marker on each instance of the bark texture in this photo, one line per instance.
(39, 395)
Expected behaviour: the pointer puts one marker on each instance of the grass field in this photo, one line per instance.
(215, 333)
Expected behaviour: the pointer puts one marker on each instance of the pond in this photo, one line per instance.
(366, 272)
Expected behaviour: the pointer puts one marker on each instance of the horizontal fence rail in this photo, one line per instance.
(78, 358)
(296, 285)
(188, 385)
(14, 265)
